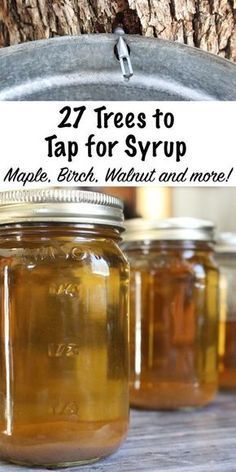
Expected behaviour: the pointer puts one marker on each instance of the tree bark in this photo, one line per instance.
(207, 24)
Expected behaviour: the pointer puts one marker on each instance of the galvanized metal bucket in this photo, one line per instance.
(86, 68)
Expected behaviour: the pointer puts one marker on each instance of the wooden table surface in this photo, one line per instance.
(187, 441)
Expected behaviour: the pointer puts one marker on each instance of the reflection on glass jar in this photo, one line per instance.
(173, 313)
(64, 328)
(226, 256)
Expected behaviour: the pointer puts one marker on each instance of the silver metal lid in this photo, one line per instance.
(226, 243)
(170, 229)
(60, 205)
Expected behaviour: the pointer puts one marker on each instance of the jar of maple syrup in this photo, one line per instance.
(226, 257)
(173, 313)
(64, 327)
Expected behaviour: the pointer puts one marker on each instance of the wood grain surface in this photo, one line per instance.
(188, 441)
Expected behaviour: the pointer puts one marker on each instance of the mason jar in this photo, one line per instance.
(64, 327)
(173, 312)
(226, 257)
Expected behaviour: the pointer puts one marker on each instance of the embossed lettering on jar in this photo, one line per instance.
(226, 257)
(173, 313)
(64, 327)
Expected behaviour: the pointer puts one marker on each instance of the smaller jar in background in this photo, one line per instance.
(226, 257)
(173, 313)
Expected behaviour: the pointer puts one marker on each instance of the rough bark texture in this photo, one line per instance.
(208, 24)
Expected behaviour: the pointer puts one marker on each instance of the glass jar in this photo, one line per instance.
(173, 313)
(226, 257)
(64, 327)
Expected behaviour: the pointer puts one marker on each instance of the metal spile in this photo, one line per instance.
(123, 54)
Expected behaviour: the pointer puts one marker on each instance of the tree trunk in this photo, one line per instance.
(208, 24)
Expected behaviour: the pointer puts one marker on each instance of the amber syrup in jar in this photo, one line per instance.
(173, 313)
(226, 257)
(64, 327)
